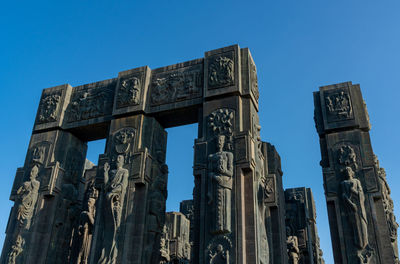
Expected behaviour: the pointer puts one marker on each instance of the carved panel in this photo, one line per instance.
(269, 189)
(221, 70)
(219, 250)
(48, 108)
(338, 105)
(178, 85)
(16, 250)
(91, 101)
(254, 81)
(129, 91)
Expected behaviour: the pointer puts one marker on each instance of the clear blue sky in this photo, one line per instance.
(297, 46)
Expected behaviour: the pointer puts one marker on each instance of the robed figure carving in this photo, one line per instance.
(85, 229)
(353, 198)
(28, 195)
(115, 186)
(220, 187)
(293, 249)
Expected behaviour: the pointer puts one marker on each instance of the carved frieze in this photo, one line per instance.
(221, 70)
(90, 102)
(338, 105)
(178, 85)
(48, 108)
(129, 92)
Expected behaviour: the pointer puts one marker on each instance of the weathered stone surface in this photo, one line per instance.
(358, 198)
(301, 230)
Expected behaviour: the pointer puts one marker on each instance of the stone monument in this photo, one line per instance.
(362, 223)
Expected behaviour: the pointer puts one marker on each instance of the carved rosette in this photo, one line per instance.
(221, 71)
(338, 106)
(48, 108)
(221, 122)
(129, 92)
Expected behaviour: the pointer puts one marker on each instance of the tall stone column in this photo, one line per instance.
(229, 197)
(132, 179)
(301, 228)
(46, 189)
(363, 226)
(275, 205)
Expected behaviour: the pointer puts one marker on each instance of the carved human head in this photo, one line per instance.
(220, 142)
(34, 172)
(91, 202)
(120, 161)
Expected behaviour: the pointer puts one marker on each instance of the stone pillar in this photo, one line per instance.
(275, 205)
(229, 201)
(132, 179)
(46, 189)
(187, 208)
(363, 227)
(301, 227)
(175, 241)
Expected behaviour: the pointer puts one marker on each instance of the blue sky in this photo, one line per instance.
(297, 46)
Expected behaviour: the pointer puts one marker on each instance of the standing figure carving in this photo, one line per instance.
(353, 198)
(264, 192)
(156, 216)
(85, 228)
(28, 194)
(114, 195)
(16, 250)
(293, 249)
(220, 187)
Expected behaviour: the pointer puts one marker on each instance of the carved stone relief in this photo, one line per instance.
(89, 103)
(221, 122)
(86, 222)
(221, 71)
(156, 216)
(115, 184)
(293, 249)
(48, 108)
(338, 106)
(220, 187)
(179, 85)
(129, 92)
(219, 250)
(354, 207)
(254, 81)
(28, 195)
(389, 208)
(164, 246)
(16, 250)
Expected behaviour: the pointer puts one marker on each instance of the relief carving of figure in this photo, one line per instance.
(28, 195)
(164, 246)
(115, 186)
(339, 105)
(16, 250)
(293, 249)
(264, 193)
(220, 187)
(48, 108)
(156, 216)
(221, 72)
(129, 92)
(220, 256)
(354, 199)
(85, 228)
